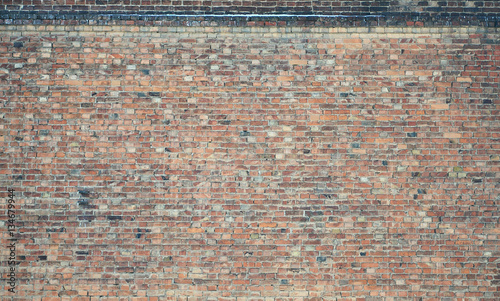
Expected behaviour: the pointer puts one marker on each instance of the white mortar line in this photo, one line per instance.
(237, 15)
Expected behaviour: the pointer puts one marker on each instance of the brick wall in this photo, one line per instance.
(259, 6)
(251, 163)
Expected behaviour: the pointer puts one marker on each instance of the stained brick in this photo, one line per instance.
(158, 161)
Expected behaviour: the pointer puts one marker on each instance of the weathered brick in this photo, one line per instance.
(160, 161)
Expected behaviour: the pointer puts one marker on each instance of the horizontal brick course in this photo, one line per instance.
(259, 6)
(252, 163)
(298, 13)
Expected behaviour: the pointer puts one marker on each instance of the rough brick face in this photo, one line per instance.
(252, 163)
(259, 6)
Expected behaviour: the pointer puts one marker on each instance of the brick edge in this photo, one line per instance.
(187, 19)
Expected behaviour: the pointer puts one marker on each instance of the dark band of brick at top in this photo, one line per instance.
(386, 19)
(259, 6)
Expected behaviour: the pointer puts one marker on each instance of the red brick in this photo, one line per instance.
(160, 161)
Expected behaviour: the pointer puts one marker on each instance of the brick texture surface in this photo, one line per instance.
(251, 163)
(260, 6)
(340, 13)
